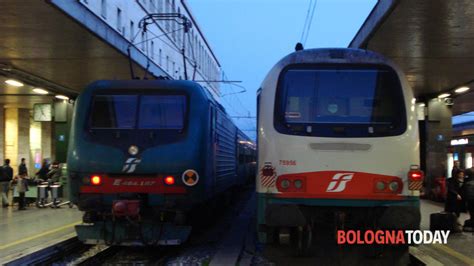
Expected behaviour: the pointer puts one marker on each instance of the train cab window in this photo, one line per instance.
(162, 112)
(129, 111)
(114, 111)
(340, 101)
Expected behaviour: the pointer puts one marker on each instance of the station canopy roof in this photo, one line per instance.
(43, 46)
(432, 41)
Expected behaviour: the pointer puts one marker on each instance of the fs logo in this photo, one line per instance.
(339, 181)
(130, 165)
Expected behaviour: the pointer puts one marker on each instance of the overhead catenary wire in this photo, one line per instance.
(308, 21)
(243, 111)
(156, 36)
(191, 58)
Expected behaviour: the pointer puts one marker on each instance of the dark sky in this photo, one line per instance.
(250, 36)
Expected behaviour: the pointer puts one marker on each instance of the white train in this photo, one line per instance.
(337, 143)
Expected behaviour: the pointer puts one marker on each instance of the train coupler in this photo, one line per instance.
(126, 208)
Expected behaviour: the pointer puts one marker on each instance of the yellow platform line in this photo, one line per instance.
(454, 253)
(39, 235)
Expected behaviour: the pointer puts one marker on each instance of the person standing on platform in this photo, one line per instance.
(22, 169)
(455, 199)
(21, 187)
(469, 195)
(4, 184)
(54, 175)
(6, 178)
(456, 169)
(43, 171)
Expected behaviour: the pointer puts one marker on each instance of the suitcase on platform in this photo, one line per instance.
(442, 221)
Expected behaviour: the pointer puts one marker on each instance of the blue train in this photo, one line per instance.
(144, 153)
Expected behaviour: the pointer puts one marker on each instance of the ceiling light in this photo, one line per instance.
(40, 91)
(422, 105)
(444, 95)
(462, 89)
(62, 97)
(13, 82)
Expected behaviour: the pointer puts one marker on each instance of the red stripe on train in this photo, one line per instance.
(341, 185)
(153, 185)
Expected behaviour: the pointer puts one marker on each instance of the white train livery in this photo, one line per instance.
(337, 137)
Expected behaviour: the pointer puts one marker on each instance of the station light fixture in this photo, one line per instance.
(13, 82)
(61, 97)
(444, 95)
(40, 91)
(422, 104)
(462, 89)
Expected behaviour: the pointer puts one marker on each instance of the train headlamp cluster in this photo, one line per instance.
(298, 184)
(94, 180)
(285, 183)
(388, 186)
(393, 186)
(380, 185)
(291, 184)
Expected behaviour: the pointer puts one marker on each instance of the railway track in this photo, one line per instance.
(199, 249)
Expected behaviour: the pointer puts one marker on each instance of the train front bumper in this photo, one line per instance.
(390, 214)
(122, 233)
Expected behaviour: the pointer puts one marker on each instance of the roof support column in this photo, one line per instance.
(17, 136)
(435, 135)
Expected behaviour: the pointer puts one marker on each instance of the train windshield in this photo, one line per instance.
(138, 112)
(340, 102)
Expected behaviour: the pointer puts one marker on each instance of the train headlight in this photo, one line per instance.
(96, 180)
(393, 186)
(285, 183)
(380, 185)
(298, 183)
(169, 180)
(133, 150)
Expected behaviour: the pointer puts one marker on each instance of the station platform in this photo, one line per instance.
(23, 232)
(460, 247)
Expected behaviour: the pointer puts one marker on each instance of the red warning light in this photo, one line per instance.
(169, 180)
(96, 180)
(415, 175)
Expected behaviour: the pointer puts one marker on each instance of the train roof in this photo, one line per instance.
(333, 54)
(191, 87)
(330, 56)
